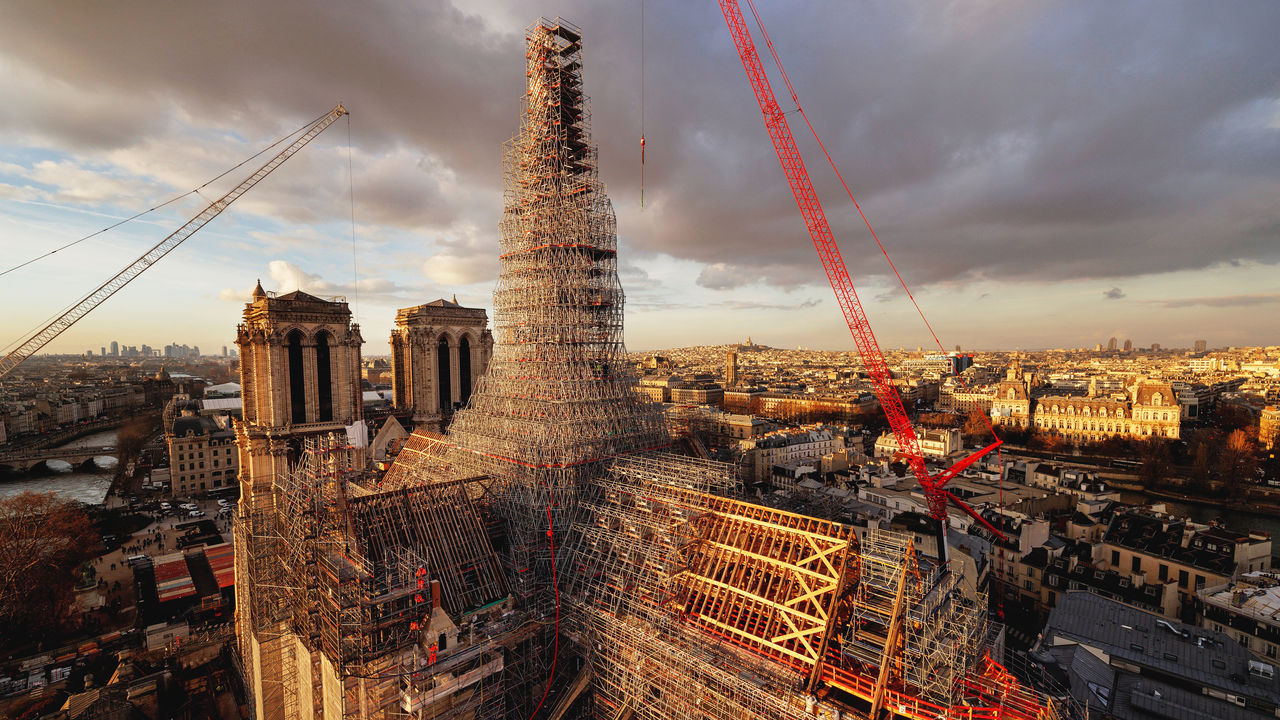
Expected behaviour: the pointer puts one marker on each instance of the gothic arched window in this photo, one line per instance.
(297, 378)
(324, 378)
(442, 375)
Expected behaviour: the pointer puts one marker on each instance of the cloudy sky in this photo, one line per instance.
(1044, 174)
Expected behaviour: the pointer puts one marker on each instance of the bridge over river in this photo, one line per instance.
(25, 460)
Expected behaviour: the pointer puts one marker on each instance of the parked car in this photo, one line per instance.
(195, 513)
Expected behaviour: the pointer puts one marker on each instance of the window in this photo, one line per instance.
(297, 381)
(1182, 579)
(1170, 656)
(1164, 572)
(1199, 582)
(1026, 584)
(1219, 664)
(1115, 558)
(1244, 641)
(1136, 646)
(1137, 564)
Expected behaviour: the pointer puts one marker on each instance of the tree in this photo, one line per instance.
(937, 420)
(1237, 463)
(43, 539)
(1201, 468)
(1155, 461)
(1232, 417)
(975, 427)
(131, 438)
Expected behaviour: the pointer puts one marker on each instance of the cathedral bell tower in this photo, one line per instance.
(299, 377)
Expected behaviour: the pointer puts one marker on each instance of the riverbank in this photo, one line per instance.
(1251, 503)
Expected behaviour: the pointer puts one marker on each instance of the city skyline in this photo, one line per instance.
(1025, 213)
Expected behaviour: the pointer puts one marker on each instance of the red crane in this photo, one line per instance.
(815, 220)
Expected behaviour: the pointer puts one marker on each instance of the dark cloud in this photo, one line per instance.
(750, 305)
(1046, 141)
(1114, 293)
(1220, 301)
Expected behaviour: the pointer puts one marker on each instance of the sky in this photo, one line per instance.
(1046, 174)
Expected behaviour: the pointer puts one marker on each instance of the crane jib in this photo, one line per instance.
(173, 240)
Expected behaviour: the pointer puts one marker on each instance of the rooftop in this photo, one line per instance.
(1162, 649)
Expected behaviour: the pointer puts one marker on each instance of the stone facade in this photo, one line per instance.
(1269, 426)
(1150, 410)
(438, 350)
(1011, 404)
(202, 455)
(299, 376)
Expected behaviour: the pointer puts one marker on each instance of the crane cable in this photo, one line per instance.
(351, 191)
(555, 586)
(799, 108)
(170, 201)
(641, 104)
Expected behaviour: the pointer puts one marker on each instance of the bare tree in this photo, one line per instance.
(42, 541)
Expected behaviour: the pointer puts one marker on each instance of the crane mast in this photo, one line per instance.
(855, 316)
(152, 256)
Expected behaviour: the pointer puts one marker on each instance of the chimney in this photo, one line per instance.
(435, 594)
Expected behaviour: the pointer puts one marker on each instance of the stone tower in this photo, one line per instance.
(299, 377)
(438, 352)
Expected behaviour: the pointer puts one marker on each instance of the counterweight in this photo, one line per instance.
(152, 256)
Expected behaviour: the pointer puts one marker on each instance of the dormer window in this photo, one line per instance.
(1157, 399)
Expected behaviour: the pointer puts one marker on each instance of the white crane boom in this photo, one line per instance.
(134, 269)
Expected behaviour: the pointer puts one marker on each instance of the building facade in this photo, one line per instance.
(1269, 427)
(299, 378)
(1011, 404)
(933, 443)
(1245, 609)
(202, 455)
(437, 351)
(1152, 410)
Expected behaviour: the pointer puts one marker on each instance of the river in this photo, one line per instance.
(86, 487)
(1204, 512)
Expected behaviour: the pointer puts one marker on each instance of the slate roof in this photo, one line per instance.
(1170, 655)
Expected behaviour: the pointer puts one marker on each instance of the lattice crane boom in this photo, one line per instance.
(815, 220)
(152, 256)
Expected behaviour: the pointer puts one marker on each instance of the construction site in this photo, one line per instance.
(553, 554)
